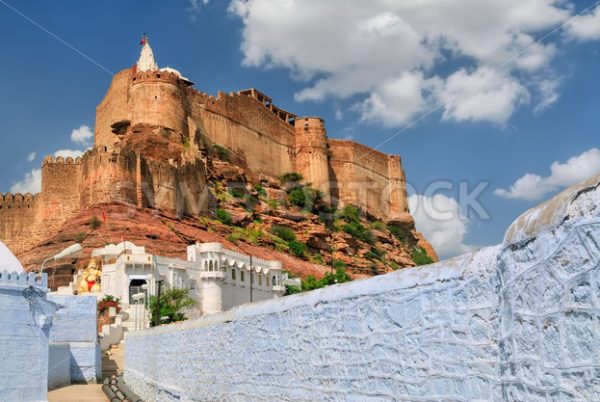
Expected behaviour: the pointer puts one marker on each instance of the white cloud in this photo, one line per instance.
(31, 183)
(344, 48)
(482, 95)
(547, 89)
(586, 27)
(534, 187)
(65, 153)
(31, 156)
(82, 135)
(439, 219)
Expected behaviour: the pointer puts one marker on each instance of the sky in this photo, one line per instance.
(492, 105)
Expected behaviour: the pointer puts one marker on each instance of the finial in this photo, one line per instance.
(146, 61)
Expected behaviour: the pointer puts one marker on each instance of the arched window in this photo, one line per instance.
(233, 274)
(242, 276)
(274, 280)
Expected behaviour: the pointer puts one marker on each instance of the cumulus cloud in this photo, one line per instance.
(387, 52)
(82, 135)
(439, 218)
(481, 95)
(533, 187)
(586, 27)
(31, 183)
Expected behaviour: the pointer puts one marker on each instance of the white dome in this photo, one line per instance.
(8, 261)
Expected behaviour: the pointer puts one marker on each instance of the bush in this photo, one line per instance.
(350, 213)
(420, 257)
(252, 235)
(172, 302)
(284, 233)
(279, 243)
(237, 192)
(291, 177)
(398, 232)
(299, 249)
(290, 289)
(311, 283)
(95, 223)
(260, 190)
(80, 237)
(377, 225)
(305, 198)
(272, 203)
(224, 216)
(358, 231)
(221, 153)
(316, 259)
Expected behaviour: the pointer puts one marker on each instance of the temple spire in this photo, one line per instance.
(146, 61)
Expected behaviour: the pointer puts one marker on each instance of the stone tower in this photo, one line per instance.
(142, 95)
(311, 153)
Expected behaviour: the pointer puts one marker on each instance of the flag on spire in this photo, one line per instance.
(144, 39)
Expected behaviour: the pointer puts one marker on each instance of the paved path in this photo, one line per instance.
(78, 393)
(112, 363)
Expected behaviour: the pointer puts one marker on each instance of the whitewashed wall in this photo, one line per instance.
(24, 327)
(514, 322)
(75, 325)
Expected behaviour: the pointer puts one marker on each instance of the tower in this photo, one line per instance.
(143, 94)
(311, 153)
(398, 204)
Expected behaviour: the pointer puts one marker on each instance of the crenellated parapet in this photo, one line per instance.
(165, 77)
(60, 160)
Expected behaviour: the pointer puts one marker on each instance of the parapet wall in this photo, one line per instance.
(514, 322)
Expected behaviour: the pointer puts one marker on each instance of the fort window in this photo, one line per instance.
(259, 280)
(242, 276)
(157, 75)
(233, 274)
(273, 281)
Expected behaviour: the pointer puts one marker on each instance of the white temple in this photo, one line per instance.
(146, 61)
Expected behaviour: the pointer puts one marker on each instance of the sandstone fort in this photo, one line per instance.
(153, 135)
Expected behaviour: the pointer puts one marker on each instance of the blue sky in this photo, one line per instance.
(484, 109)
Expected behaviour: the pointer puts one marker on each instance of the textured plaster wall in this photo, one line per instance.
(75, 325)
(23, 343)
(515, 322)
(402, 335)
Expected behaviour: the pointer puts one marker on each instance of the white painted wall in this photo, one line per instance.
(24, 328)
(515, 322)
(75, 325)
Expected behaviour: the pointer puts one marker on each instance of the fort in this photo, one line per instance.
(152, 140)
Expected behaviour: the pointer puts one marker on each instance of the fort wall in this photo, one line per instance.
(18, 215)
(365, 177)
(247, 128)
(113, 108)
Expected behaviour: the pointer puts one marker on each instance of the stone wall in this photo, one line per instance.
(367, 178)
(519, 321)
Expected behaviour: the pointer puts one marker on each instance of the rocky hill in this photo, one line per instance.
(272, 218)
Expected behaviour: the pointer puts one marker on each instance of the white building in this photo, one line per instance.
(217, 278)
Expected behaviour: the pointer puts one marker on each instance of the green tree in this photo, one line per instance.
(172, 304)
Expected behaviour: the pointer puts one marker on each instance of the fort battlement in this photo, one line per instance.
(167, 77)
(17, 199)
(59, 160)
(23, 280)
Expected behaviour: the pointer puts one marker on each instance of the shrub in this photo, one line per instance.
(350, 213)
(272, 203)
(224, 216)
(279, 243)
(311, 283)
(394, 265)
(398, 232)
(252, 235)
(337, 264)
(316, 259)
(420, 257)
(284, 233)
(237, 192)
(291, 177)
(250, 202)
(80, 237)
(305, 197)
(377, 225)
(260, 190)
(358, 231)
(299, 249)
(95, 223)
(290, 289)
(221, 153)
(172, 302)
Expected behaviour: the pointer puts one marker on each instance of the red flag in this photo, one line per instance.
(144, 40)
